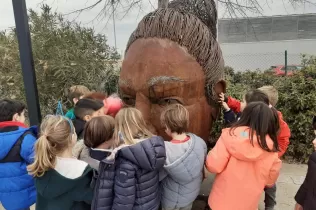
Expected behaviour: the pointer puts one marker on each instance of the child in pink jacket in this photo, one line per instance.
(245, 159)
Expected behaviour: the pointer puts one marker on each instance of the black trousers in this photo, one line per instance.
(270, 197)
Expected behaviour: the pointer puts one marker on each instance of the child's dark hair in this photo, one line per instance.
(86, 107)
(98, 130)
(8, 108)
(255, 96)
(262, 121)
(314, 122)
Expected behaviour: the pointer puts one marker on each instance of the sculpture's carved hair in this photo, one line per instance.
(191, 24)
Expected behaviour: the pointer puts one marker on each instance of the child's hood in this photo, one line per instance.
(190, 165)
(149, 154)
(237, 142)
(53, 184)
(79, 148)
(79, 127)
(9, 139)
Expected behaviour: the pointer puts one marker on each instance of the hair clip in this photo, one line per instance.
(70, 124)
(121, 137)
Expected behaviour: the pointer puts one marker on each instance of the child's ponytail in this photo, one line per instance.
(56, 136)
(45, 157)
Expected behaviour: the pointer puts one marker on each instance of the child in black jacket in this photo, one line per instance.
(305, 197)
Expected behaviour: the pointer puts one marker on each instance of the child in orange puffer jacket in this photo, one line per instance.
(245, 159)
(272, 93)
(283, 135)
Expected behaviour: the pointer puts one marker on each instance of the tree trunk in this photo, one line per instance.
(163, 3)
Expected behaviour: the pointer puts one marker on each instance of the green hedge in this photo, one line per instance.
(65, 54)
(297, 102)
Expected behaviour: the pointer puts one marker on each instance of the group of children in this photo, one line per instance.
(103, 156)
(267, 95)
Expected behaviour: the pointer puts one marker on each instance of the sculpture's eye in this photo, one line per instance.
(168, 101)
(129, 101)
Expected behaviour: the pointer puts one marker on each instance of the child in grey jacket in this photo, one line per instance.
(182, 175)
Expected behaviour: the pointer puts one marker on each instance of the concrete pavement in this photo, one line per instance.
(291, 178)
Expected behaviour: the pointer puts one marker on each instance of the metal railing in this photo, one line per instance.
(262, 61)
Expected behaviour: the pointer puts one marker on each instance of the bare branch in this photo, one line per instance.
(163, 3)
(235, 8)
(131, 6)
(86, 8)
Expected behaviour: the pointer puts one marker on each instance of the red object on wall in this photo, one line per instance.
(291, 69)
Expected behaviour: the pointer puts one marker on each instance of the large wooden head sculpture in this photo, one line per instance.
(173, 57)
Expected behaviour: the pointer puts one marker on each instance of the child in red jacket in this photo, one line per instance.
(283, 136)
(272, 93)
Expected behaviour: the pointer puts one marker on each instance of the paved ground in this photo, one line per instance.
(291, 178)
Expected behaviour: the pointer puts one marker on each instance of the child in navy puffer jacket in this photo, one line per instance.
(137, 162)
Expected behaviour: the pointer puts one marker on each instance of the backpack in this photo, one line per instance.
(14, 154)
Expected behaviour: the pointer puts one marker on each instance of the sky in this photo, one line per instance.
(125, 24)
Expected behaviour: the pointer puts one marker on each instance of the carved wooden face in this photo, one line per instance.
(158, 72)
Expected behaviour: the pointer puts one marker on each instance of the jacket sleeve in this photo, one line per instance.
(229, 118)
(162, 174)
(284, 136)
(274, 172)
(234, 104)
(124, 186)
(310, 176)
(70, 114)
(27, 148)
(84, 192)
(217, 159)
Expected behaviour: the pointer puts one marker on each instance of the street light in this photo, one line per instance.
(27, 62)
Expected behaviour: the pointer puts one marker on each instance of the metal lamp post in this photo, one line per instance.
(27, 63)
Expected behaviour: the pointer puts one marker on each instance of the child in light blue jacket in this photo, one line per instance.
(185, 155)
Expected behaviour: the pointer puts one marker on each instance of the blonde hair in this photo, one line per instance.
(272, 94)
(77, 91)
(56, 134)
(129, 126)
(176, 118)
